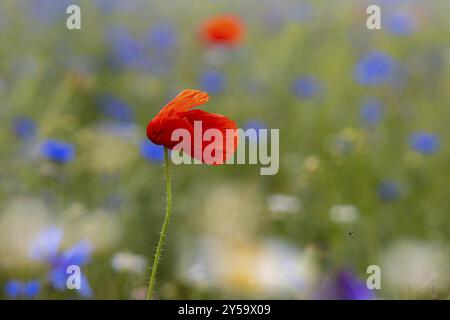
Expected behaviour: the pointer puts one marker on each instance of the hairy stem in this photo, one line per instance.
(163, 234)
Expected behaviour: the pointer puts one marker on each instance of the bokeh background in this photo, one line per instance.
(364, 153)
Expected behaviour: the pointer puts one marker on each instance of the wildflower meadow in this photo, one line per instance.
(318, 165)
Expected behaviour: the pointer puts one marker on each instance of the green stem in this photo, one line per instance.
(163, 234)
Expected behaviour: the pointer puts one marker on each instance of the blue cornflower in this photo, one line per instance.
(31, 289)
(126, 50)
(78, 255)
(109, 6)
(401, 23)
(58, 279)
(48, 11)
(375, 68)
(46, 249)
(424, 142)
(57, 151)
(115, 108)
(349, 287)
(301, 12)
(24, 128)
(151, 151)
(305, 87)
(274, 18)
(46, 245)
(372, 112)
(212, 81)
(345, 285)
(162, 37)
(388, 190)
(255, 124)
(14, 289)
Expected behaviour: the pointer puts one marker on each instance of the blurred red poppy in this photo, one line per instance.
(177, 114)
(225, 29)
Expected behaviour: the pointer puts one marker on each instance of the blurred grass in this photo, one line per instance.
(41, 78)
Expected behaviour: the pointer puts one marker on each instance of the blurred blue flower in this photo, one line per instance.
(110, 6)
(424, 142)
(255, 124)
(58, 279)
(31, 289)
(24, 128)
(388, 190)
(274, 18)
(57, 151)
(401, 23)
(14, 289)
(46, 245)
(212, 81)
(78, 255)
(151, 151)
(48, 11)
(85, 288)
(115, 108)
(375, 68)
(372, 112)
(45, 248)
(349, 287)
(345, 285)
(305, 87)
(126, 50)
(162, 36)
(300, 12)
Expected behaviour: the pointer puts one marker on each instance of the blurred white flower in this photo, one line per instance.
(416, 266)
(129, 262)
(344, 213)
(238, 215)
(280, 203)
(20, 222)
(23, 219)
(267, 268)
(100, 227)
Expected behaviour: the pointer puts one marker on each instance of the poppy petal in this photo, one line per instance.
(223, 149)
(177, 115)
(187, 99)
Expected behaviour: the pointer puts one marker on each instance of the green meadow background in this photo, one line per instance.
(233, 233)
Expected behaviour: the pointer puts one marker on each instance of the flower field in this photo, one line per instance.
(364, 154)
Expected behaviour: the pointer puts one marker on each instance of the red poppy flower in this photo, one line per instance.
(226, 29)
(177, 114)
